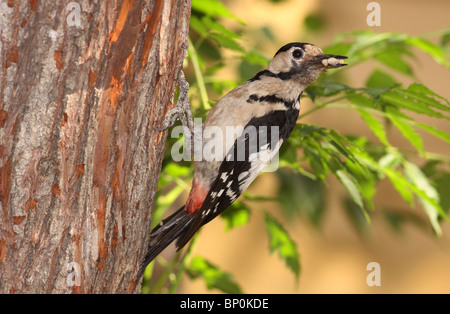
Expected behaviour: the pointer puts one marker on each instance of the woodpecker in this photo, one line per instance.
(271, 98)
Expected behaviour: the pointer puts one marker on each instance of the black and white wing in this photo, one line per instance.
(244, 161)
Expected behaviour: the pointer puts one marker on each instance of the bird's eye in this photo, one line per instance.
(297, 53)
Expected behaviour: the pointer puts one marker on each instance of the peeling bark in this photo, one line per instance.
(80, 97)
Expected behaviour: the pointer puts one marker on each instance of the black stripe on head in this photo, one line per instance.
(273, 99)
(262, 73)
(290, 45)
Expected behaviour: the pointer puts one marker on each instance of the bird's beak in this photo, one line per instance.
(330, 61)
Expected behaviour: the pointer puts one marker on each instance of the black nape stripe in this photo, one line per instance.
(282, 75)
(273, 99)
(262, 73)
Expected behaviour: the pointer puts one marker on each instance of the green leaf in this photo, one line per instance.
(254, 57)
(307, 129)
(445, 39)
(314, 22)
(314, 91)
(331, 88)
(407, 131)
(356, 216)
(390, 160)
(375, 125)
(432, 130)
(352, 188)
(423, 94)
(360, 99)
(380, 79)
(414, 182)
(437, 52)
(259, 198)
(313, 155)
(198, 25)
(368, 40)
(280, 241)
(236, 215)
(398, 218)
(415, 103)
(387, 47)
(163, 201)
(420, 181)
(213, 8)
(176, 170)
(226, 42)
(212, 275)
(365, 177)
(219, 28)
(338, 48)
(401, 185)
(442, 183)
(345, 147)
(394, 60)
(299, 193)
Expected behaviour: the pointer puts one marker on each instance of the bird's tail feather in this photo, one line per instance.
(164, 234)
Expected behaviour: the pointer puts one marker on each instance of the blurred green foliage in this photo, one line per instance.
(313, 152)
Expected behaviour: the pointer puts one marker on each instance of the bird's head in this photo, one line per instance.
(303, 62)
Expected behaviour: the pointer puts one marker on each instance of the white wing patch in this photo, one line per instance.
(224, 176)
(231, 195)
(261, 160)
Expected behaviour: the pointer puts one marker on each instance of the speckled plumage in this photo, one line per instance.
(269, 102)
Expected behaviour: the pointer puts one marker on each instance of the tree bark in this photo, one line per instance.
(83, 85)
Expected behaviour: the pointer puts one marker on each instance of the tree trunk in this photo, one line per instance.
(83, 85)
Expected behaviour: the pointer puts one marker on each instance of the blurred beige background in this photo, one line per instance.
(334, 258)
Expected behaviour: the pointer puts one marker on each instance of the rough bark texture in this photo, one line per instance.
(79, 156)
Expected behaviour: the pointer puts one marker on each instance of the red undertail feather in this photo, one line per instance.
(196, 197)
